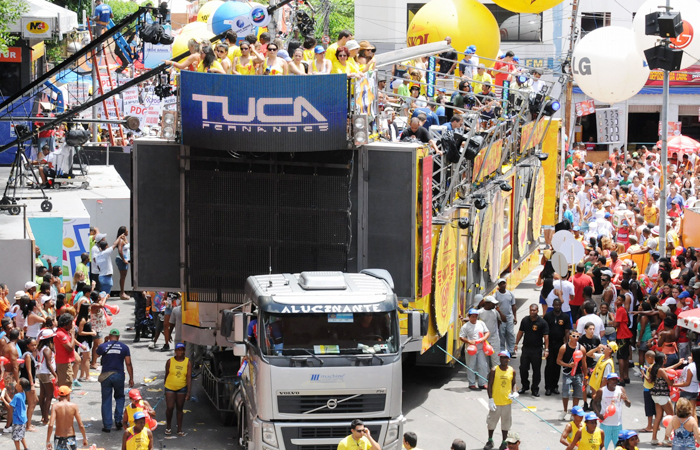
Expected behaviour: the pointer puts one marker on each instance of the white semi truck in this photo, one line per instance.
(318, 350)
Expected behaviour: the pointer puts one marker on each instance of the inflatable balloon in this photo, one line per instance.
(488, 350)
(679, 250)
(666, 420)
(194, 30)
(20, 360)
(108, 318)
(578, 355)
(644, 283)
(227, 12)
(610, 411)
(671, 373)
(114, 309)
(675, 394)
(4, 360)
(151, 423)
(606, 51)
(527, 6)
(207, 10)
(471, 350)
(467, 22)
(526, 27)
(690, 13)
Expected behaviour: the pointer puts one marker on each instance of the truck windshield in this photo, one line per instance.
(328, 334)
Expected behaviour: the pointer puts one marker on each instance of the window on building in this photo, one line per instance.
(517, 27)
(593, 20)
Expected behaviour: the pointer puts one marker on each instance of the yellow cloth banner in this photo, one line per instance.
(550, 144)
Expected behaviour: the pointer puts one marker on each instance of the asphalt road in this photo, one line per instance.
(437, 404)
(201, 421)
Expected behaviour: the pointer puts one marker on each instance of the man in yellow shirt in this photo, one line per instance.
(651, 211)
(233, 50)
(359, 438)
(480, 78)
(501, 391)
(343, 37)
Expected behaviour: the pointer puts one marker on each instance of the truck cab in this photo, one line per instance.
(319, 349)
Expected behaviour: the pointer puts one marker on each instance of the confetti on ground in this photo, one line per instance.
(162, 422)
(94, 374)
(154, 390)
(80, 393)
(186, 411)
(170, 437)
(194, 429)
(530, 408)
(149, 380)
(200, 423)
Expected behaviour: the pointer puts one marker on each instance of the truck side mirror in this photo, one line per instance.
(240, 350)
(416, 329)
(239, 327)
(226, 327)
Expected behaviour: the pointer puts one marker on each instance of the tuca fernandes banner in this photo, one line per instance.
(264, 113)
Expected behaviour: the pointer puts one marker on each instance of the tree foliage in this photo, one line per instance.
(340, 17)
(10, 12)
(122, 9)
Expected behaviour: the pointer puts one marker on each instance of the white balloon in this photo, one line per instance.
(607, 65)
(688, 41)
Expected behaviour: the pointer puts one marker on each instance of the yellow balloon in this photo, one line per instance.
(527, 6)
(194, 30)
(467, 22)
(207, 10)
(68, 242)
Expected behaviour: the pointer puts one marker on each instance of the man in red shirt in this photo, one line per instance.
(624, 337)
(580, 281)
(65, 354)
(502, 69)
(615, 263)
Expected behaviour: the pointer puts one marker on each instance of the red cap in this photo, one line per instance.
(135, 394)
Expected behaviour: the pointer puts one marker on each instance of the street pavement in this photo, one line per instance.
(437, 403)
(201, 421)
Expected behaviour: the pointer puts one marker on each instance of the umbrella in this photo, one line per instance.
(690, 319)
(681, 144)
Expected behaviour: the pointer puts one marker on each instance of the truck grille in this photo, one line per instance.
(331, 404)
(320, 432)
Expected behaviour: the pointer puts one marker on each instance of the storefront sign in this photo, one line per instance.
(585, 108)
(264, 113)
(13, 54)
(35, 28)
(689, 76)
(426, 285)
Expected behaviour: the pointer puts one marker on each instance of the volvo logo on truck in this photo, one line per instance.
(276, 115)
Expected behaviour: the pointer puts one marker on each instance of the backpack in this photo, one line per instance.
(154, 33)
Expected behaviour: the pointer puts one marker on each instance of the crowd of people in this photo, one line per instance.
(262, 55)
(621, 298)
(51, 338)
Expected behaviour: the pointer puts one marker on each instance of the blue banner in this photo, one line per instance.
(22, 107)
(264, 113)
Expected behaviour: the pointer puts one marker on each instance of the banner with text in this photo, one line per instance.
(264, 113)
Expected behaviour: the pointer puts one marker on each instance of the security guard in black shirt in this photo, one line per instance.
(536, 333)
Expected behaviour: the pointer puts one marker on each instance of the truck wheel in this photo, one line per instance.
(242, 431)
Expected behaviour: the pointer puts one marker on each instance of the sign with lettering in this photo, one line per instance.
(426, 286)
(36, 28)
(490, 159)
(674, 129)
(608, 125)
(531, 134)
(585, 108)
(13, 54)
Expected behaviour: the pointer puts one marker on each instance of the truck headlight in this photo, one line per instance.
(392, 433)
(268, 434)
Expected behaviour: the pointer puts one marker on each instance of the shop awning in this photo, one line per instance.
(45, 20)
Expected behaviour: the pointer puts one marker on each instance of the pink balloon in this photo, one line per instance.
(666, 420)
(610, 411)
(471, 349)
(675, 394)
(671, 373)
(488, 350)
(578, 355)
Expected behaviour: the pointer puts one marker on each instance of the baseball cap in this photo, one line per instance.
(29, 284)
(504, 353)
(591, 415)
(319, 49)
(655, 230)
(611, 376)
(179, 345)
(513, 437)
(664, 308)
(139, 415)
(64, 391)
(589, 164)
(626, 434)
(469, 51)
(500, 280)
(10, 314)
(481, 66)
(44, 298)
(46, 333)
(578, 411)
(607, 215)
(18, 295)
(613, 346)
(577, 228)
(684, 294)
(100, 236)
(135, 394)
(352, 45)
(696, 286)
(284, 54)
(656, 255)
(670, 301)
(114, 332)
(478, 298)
(473, 311)
(492, 299)
(607, 204)
(625, 222)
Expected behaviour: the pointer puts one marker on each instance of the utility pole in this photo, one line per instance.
(570, 82)
(326, 7)
(95, 131)
(664, 153)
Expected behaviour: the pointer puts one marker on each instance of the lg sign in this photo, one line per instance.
(583, 67)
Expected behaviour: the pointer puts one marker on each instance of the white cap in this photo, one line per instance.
(607, 204)
(670, 301)
(100, 236)
(352, 45)
(44, 298)
(500, 280)
(19, 294)
(492, 299)
(30, 284)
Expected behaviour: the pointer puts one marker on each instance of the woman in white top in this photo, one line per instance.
(45, 371)
(296, 65)
(320, 65)
(34, 318)
(689, 386)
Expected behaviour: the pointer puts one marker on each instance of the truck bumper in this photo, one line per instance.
(326, 435)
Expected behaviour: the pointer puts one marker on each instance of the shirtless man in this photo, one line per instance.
(12, 367)
(4, 333)
(62, 414)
